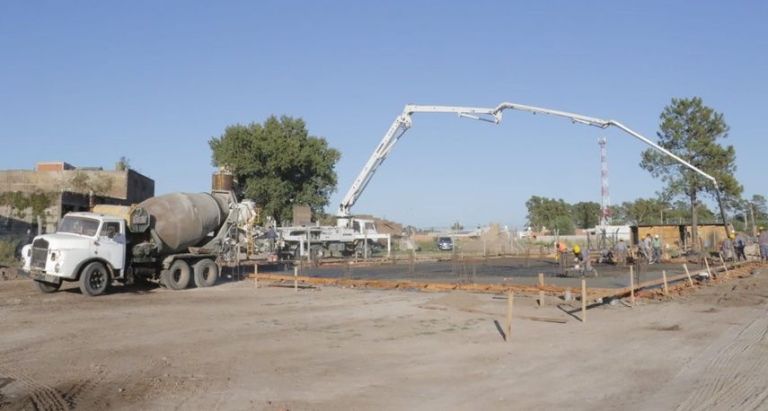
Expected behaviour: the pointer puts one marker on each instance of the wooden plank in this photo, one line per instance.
(666, 288)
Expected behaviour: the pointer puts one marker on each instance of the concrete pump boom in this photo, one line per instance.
(492, 115)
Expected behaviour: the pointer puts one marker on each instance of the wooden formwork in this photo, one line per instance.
(674, 284)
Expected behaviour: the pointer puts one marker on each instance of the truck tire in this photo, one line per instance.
(206, 273)
(94, 279)
(177, 276)
(47, 287)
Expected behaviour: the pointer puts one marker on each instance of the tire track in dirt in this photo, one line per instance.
(44, 397)
(41, 396)
(731, 373)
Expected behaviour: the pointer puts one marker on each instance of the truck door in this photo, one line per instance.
(111, 244)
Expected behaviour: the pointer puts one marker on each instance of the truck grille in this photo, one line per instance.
(39, 253)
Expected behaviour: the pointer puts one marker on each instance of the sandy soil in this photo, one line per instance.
(236, 347)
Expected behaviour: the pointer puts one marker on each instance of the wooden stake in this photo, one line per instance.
(296, 279)
(725, 267)
(632, 285)
(541, 279)
(690, 280)
(583, 300)
(541, 298)
(256, 276)
(510, 303)
(666, 288)
(706, 262)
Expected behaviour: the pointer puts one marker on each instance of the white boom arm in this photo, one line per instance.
(493, 115)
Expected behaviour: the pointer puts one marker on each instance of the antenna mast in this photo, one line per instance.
(605, 197)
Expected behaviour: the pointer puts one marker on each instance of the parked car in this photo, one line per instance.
(445, 243)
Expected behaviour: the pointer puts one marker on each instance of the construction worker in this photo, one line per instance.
(621, 251)
(762, 239)
(645, 247)
(577, 256)
(738, 246)
(560, 250)
(656, 249)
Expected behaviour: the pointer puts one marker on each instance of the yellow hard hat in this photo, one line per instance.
(732, 236)
(576, 248)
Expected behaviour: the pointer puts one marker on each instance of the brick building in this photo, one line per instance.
(66, 188)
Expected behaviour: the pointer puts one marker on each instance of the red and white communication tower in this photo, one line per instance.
(605, 200)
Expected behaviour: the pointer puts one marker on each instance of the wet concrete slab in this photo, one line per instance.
(497, 271)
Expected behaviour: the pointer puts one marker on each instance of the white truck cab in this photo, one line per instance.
(87, 247)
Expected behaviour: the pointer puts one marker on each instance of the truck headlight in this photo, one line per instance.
(57, 267)
(53, 256)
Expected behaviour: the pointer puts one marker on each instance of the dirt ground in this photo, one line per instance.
(236, 347)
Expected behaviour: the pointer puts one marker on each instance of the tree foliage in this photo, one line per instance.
(278, 164)
(692, 131)
(759, 206)
(548, 213)
(586, 214)
(748, 214)
(659, 211)
(123, 164)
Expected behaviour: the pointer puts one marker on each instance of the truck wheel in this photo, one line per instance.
(94, 279)
(47, 287)
(177, 276)
(206, 273)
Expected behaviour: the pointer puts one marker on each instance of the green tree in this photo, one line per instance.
(548, 213)
(759, 208)
(692, 130)
(644, 211)
(123, 164)
(749, 214)
(457, 226)
(586, 214)
(278, 164)
(564, 225)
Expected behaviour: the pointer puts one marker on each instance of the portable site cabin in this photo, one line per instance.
(679, 235)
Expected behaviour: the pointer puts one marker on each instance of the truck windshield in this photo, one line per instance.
(79, 225)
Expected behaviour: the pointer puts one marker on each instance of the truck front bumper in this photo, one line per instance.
(41, 276)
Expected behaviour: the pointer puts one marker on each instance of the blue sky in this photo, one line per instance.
(88, 82)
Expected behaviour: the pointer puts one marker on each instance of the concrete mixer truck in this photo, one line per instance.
(174, 238)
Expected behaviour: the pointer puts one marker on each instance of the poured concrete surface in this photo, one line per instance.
(496, 271)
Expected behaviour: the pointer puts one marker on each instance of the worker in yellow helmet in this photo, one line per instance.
(577, 253)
